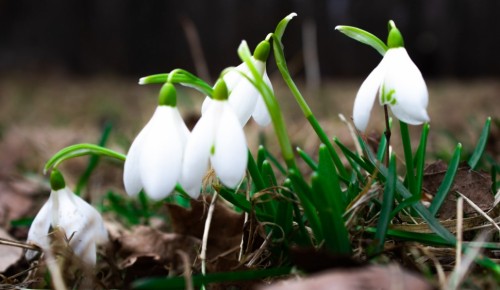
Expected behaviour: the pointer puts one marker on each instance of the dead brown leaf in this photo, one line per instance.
(475, 185)
(9, 254)
(150, 246)
(225, 231)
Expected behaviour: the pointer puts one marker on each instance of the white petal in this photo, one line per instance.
(206, 104)
(230, 157)
(40, 228)
(233, 77)
(410, 90)
(261, 114)
(243, 99)
(197, 151)
(365, 97)
(131, 174)
(161, 153)
(81, 222)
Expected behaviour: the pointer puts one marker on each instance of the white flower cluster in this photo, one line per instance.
(165, 153)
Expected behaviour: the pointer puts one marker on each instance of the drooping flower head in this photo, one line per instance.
(398, 83)
(244, 98)
(81, 222)
(217, 137)
(154, 160)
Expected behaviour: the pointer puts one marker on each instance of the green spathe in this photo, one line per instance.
(394, 39)
(57, 180)
(220, 90)
(168, 95)
(262, 51)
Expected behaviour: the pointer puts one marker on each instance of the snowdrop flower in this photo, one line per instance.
(154, 160)
(218, 136)
(244, 98)
(399, 84)
(81, 223)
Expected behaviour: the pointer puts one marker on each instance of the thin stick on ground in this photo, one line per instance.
(460, 217)
(203, 254)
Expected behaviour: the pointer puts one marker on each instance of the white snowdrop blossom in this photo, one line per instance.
(244, 98)
(81, 223)
(154, 160)
(218, 137)
(399, 84)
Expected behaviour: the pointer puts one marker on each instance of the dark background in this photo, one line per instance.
(446, 38)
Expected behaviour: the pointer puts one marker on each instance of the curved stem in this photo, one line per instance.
(272, 106)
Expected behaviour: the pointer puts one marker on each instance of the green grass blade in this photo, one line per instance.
(387, 202)
(422, 211)
(332, 203)
(410, 173)
(241, 202)
(481, 145)
(420, 160)
(447, 182)
(255, 174)
(269, 205)
(330, 181)
(381, 148)
(305, 194)
(307, 159)
(424, 238)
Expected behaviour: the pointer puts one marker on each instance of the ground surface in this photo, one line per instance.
(39, 116)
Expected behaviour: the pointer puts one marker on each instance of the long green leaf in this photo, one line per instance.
(255, 174)
(420, 159)
(305, 194)
(307, 159)
(410, 172)
(422, 211)
(387, 202)
(364, 37)
(447, 182)
(481, 145)
(332, 203)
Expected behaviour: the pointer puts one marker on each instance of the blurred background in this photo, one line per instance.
(67, 65)
(447, 38)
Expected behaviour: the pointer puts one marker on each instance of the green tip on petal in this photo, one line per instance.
(395, 39)
(168, 95)
(262, 51)
(56, 180)
(220, 90)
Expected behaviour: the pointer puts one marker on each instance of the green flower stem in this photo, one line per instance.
(180, 76)
(279, 55)
(80, 150)
(272, 106)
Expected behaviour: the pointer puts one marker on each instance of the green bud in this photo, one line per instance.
(395, 39)
(56, 180)
(261, 52)
(168, 95)
(220, 90)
